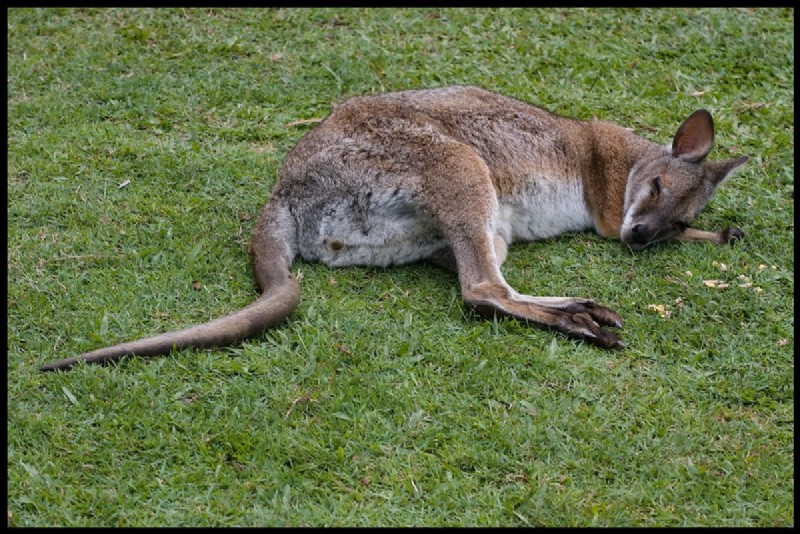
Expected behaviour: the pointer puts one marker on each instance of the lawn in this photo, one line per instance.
(141, 146)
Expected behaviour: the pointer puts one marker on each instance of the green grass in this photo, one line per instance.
(381, 401)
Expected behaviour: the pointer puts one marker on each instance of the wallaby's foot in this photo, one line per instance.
(575, 317)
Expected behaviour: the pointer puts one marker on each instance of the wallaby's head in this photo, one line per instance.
(665, 193)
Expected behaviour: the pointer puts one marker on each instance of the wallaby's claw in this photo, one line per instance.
(605, 316)
(583, 326)
(731, 235)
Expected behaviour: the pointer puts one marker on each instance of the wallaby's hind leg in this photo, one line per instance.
(484, 290)
(478, 253)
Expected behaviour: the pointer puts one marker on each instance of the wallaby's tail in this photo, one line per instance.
(273, 251)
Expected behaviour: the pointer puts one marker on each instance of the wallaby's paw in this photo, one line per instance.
(731, 235)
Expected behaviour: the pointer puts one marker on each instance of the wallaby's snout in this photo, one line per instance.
(644, 233)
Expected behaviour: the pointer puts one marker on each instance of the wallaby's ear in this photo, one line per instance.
(695, 137)
(718, 170)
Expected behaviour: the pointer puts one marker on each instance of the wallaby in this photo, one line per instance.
(454, 175)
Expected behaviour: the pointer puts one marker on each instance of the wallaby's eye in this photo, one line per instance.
(656, 185)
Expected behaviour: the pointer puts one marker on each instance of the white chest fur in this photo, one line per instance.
(545, 208)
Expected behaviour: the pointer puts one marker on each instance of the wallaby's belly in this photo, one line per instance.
(382, 227)
(378, 228)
